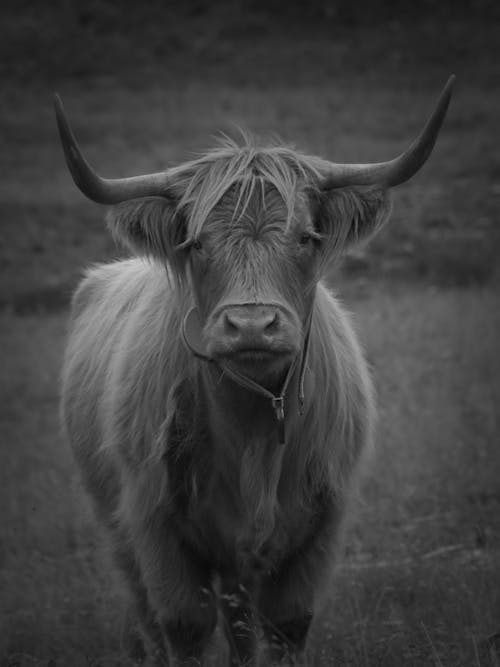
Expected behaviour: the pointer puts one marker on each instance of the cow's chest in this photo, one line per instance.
(231, 534)
(236, 535)
(229, 500)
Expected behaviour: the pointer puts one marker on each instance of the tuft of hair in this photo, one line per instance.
(242, 167)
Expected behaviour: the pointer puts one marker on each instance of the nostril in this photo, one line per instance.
(230, 325)
(270, 323)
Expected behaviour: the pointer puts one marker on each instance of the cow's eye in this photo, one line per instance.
(197, 244)
(305, 239)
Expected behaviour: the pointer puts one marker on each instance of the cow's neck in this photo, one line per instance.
(247, 450)
(243, 414)
(223, 372)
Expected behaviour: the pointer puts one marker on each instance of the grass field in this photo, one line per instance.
(419, 583)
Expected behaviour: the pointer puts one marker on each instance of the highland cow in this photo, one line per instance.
(214, 392)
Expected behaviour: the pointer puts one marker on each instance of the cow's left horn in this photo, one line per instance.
(397, 171)
(103, 190)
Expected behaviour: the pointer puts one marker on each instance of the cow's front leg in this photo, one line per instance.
(240, 622)
(139, 610)
(292, 592)
(286, 638)
(179, 586)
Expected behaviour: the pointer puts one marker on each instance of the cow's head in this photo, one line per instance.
(250, 230)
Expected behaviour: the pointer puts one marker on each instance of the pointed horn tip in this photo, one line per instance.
(60, 112)
(444, 100)
(448, 87)
(56, 99)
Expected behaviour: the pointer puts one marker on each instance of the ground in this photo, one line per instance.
(418, 583)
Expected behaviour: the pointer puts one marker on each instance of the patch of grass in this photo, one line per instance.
(240, 40)
(456, 261)
(419, 582)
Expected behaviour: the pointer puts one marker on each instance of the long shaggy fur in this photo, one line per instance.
(136, 408)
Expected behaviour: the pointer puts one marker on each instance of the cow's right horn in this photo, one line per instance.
(400, 169)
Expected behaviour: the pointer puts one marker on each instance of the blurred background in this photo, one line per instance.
(147, 85)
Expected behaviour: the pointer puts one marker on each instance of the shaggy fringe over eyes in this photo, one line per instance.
(162, 227)
(206, 180)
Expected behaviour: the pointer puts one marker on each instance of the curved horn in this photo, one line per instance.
(102, 190)
(400, 169)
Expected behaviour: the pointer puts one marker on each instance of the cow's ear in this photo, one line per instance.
(345, 216)
(148, 226)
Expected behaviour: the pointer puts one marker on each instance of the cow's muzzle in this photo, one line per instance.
(267, 326)
(249, 334)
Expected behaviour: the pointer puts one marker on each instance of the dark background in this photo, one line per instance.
(148, 84)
